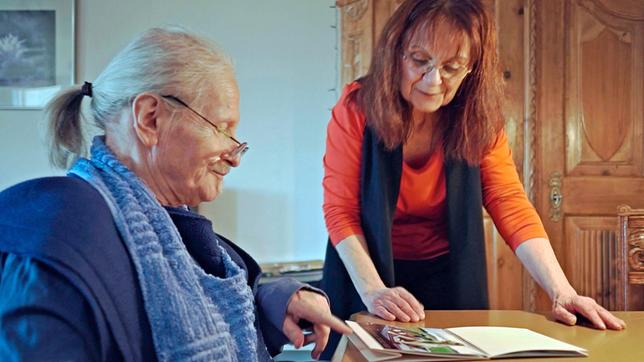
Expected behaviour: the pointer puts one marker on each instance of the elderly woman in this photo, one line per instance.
(108, 263)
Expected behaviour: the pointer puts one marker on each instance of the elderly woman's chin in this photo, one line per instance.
(207, 192)
(199, 192)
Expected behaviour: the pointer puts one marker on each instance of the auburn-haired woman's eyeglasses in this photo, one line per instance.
(424, 65)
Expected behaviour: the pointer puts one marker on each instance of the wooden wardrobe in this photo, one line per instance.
(574, 114)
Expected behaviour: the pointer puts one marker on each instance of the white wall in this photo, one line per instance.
(285, 56)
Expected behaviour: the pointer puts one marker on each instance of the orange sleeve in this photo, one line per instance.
(504, 197)
(341, 181)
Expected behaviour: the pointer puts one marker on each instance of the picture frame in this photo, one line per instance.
(36, 51)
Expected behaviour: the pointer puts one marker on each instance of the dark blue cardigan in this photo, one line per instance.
(61, 231)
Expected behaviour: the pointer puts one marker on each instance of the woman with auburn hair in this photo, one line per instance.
(414, 150)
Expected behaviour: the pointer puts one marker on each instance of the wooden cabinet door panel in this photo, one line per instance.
(590, 107)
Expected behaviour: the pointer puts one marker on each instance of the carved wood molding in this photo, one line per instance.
(354, 62)
(353, 9)
(531, 100)
(636, 250)
(636, 278)
(619, 9)
(631, 233)
(623, 209)
(530, 141)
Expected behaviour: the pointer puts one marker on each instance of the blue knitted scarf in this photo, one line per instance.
(194, 316)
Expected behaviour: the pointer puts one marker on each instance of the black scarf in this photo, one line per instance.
(380, 174)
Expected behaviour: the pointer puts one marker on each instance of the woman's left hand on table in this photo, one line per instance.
(570, 308)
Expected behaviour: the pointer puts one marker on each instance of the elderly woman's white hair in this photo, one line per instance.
(167, 60)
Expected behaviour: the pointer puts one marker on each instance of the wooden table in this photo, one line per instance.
(607, 346)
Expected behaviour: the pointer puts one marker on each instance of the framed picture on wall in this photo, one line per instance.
(36, 51)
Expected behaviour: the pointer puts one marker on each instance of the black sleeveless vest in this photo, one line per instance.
(380, 174)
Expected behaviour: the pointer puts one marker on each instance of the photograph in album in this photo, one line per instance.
(383, 342)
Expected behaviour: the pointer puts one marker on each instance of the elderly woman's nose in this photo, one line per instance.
(232, 158)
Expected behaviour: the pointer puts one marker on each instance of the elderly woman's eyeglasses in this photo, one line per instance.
(423, 65)
(242, 147)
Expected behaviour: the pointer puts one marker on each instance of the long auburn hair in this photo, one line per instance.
(469, 124)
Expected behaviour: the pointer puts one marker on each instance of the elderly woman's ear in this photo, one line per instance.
(147, 111)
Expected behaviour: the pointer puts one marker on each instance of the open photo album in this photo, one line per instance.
(380, 342)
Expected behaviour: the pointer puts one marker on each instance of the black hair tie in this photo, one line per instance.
(86, 89)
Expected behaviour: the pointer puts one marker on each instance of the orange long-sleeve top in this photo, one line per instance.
(419, 230)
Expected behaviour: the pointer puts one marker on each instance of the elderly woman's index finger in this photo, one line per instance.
(333, 322)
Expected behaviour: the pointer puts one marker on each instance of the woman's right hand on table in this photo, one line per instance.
(387, 303)
(394, 304)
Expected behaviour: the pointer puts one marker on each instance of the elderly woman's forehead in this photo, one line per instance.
(219, 95)
(224, 103)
